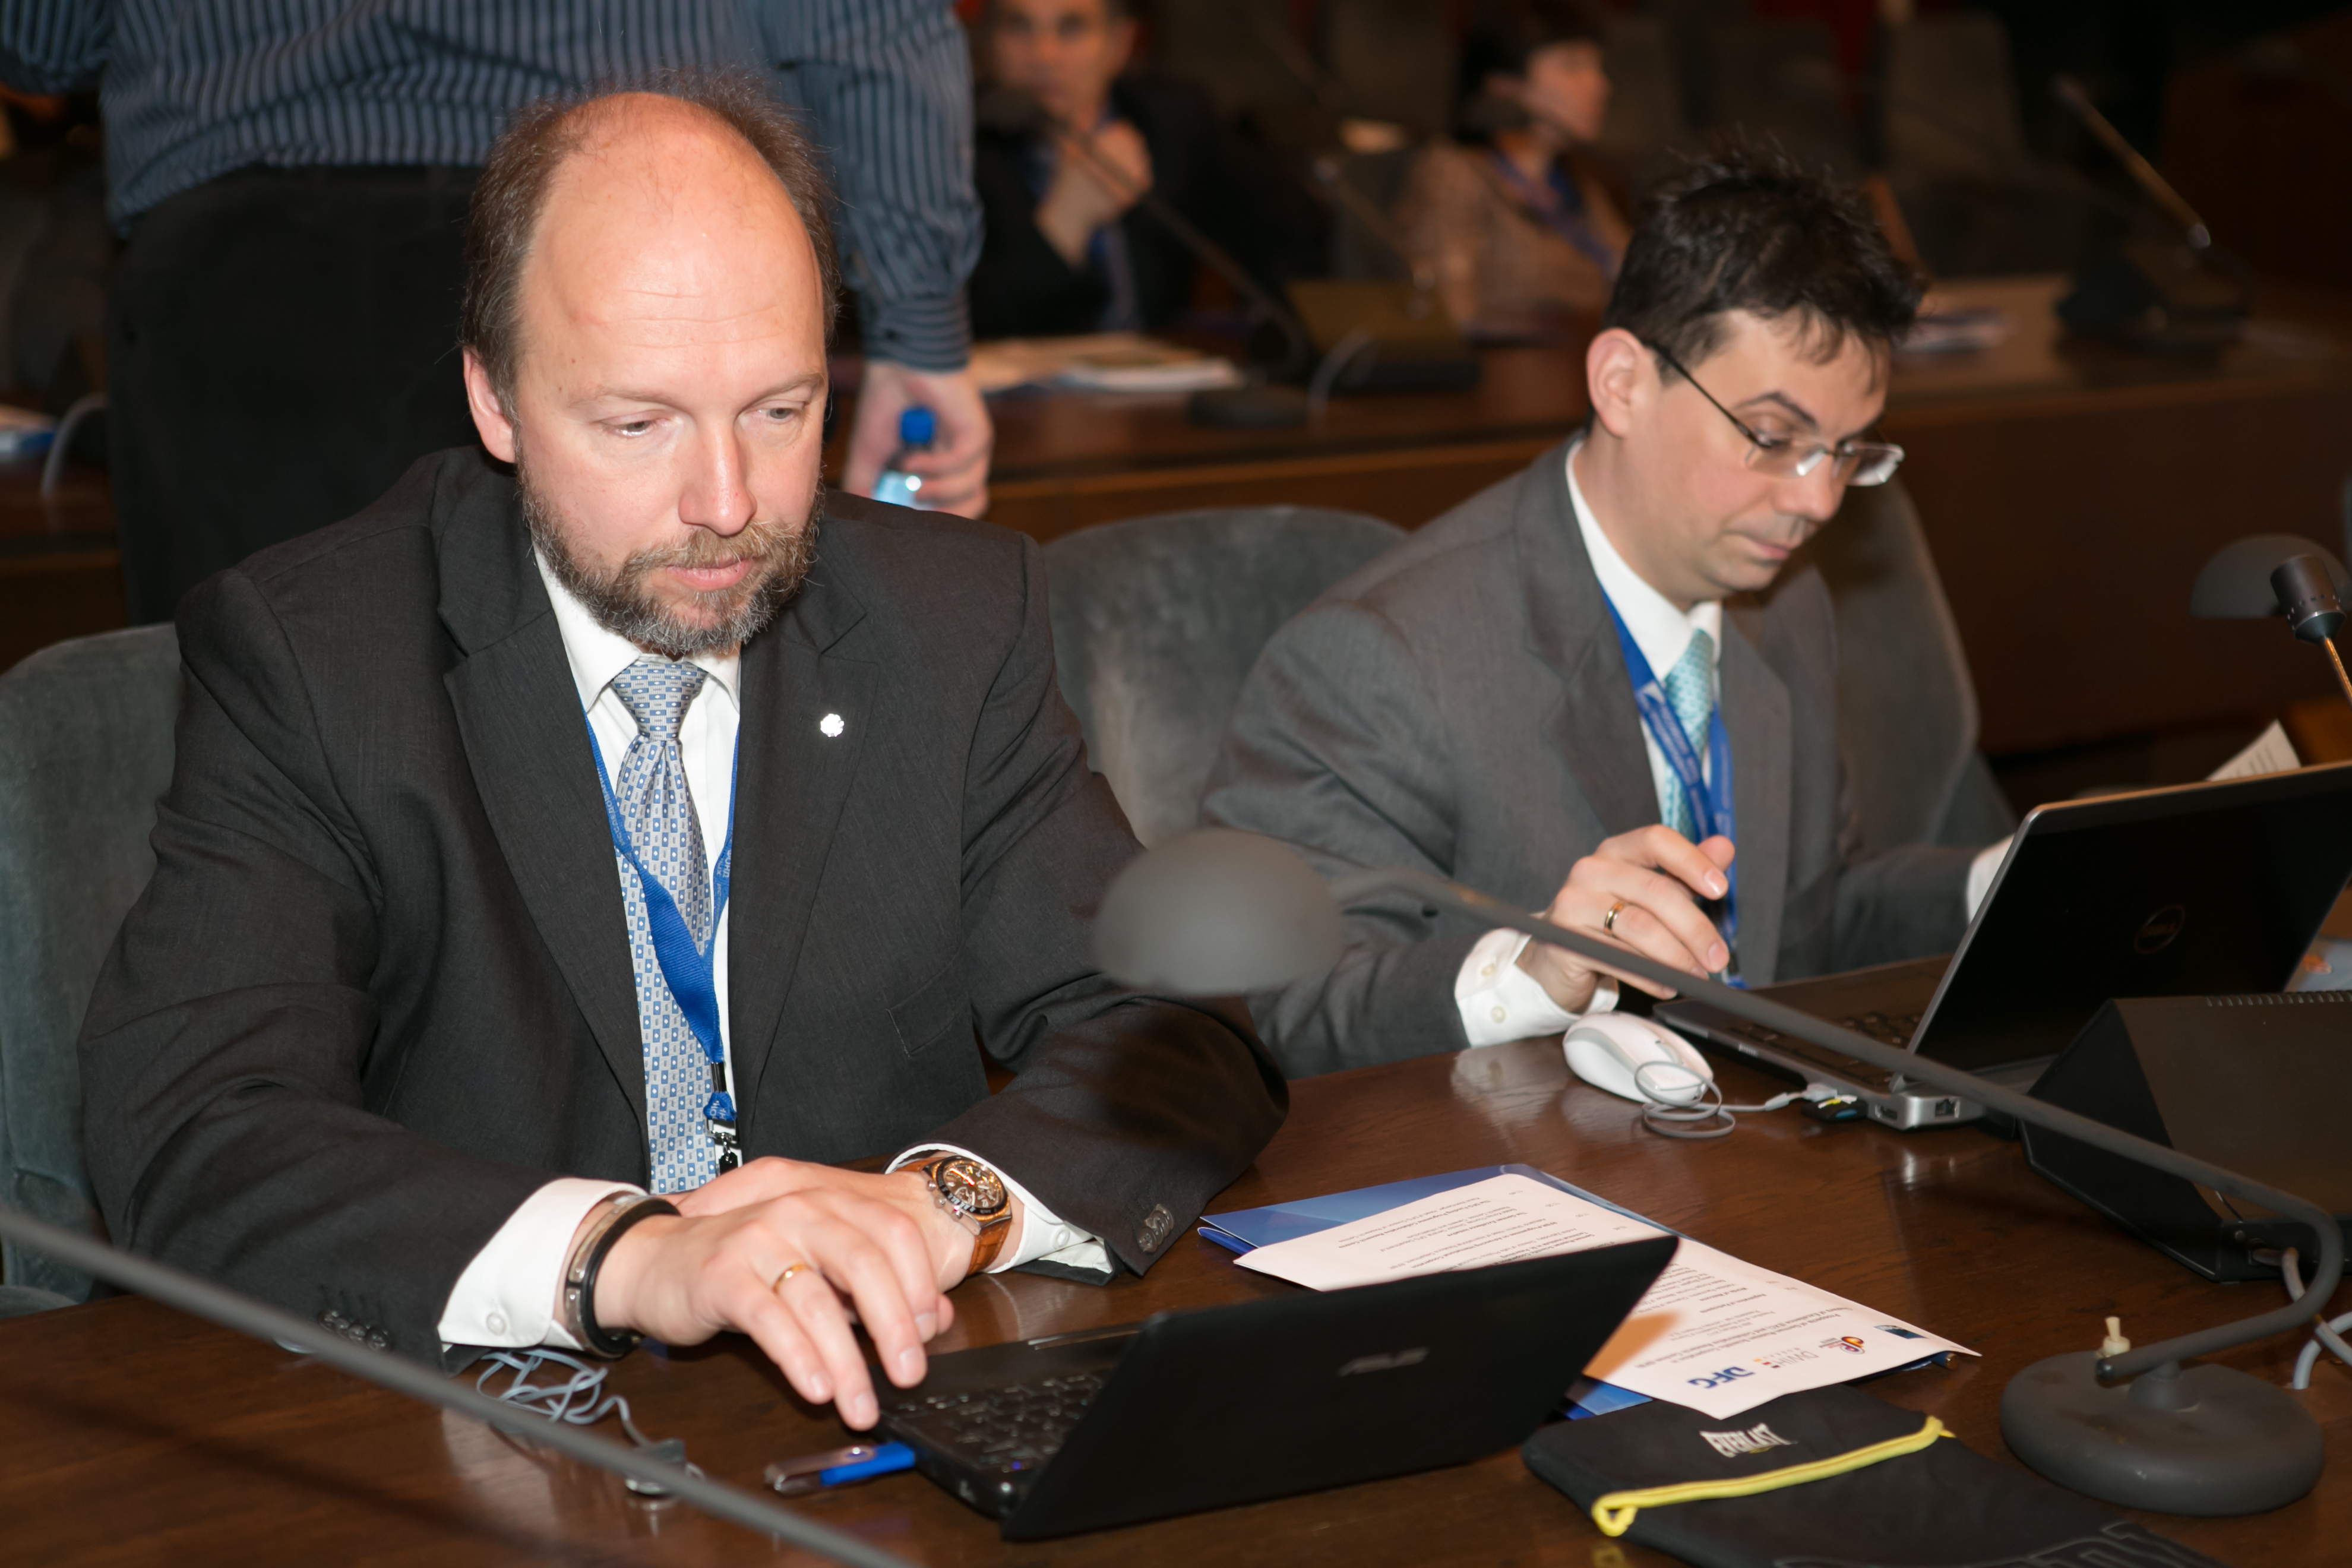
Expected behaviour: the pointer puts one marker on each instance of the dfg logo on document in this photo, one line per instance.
(1718, 1379)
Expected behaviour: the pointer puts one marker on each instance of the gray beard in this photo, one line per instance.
(622, 604)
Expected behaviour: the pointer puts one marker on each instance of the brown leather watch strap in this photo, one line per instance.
(990, 1241)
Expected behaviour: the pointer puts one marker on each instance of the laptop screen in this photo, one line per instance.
(2205, 890)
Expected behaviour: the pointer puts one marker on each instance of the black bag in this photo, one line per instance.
(1940, 1507)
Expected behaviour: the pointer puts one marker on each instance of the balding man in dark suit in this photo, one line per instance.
(634, 819)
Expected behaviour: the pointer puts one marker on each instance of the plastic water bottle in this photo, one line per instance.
(916, 427)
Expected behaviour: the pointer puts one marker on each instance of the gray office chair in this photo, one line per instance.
(1975, 198)
(1646, 97)
(1907, 708)
(1158, 619)
(84, 751)
(1778, 78)
(1392, 61)
(1239, 52)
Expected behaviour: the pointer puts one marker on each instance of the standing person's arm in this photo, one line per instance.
(887, 85)
(53, 46)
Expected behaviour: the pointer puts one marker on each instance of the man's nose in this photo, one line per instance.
(1815, 496)
(717, 491)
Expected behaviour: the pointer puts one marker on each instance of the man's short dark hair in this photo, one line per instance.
(513, 191)
(1748, 230)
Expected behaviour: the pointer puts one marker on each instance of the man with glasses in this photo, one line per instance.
(1592, 688)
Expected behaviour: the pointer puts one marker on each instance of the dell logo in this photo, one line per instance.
(2157, 932)
(1390, 1362)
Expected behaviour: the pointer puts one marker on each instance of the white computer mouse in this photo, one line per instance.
(1607, 1049)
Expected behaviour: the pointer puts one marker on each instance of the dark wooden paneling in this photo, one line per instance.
(2067, 545)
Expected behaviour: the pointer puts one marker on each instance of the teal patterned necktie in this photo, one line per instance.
(657, 810)
(1690, 692)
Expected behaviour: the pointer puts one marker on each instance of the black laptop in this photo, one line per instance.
(1194, 1410)
(2201, 889)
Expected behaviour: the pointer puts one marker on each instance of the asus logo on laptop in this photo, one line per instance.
(1389, 1363)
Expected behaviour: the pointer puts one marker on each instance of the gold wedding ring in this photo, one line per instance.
(787, 1274)
(1609, 920)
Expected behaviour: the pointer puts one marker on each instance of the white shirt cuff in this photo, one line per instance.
(507, 1295)
(1044, 1234)
(1983, 869)
(1500, 1001)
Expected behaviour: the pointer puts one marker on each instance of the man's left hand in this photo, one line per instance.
(761, 1181)
(955, 470)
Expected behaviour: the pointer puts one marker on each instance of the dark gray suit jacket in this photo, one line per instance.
(380, 989)
(1461, 706)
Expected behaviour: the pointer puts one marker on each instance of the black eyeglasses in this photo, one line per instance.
(1788, 457)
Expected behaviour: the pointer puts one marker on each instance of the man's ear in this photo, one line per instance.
(491, 421)
(1621, 379)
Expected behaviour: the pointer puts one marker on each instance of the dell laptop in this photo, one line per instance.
(1288, 1394)
(2194, 890)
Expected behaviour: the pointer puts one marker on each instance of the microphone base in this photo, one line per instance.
(1262, 407)
(2228, 1444)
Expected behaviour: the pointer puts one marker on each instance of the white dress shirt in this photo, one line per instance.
(508, 1294)
(1499, 1001)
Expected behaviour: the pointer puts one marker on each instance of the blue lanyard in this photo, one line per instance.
(1567, 219)
(687, 969)
(1707, 790)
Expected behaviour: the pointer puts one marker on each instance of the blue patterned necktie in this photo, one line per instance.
(657, 810)
(1690, 692)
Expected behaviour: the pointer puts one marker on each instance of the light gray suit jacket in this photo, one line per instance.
(1460, 705)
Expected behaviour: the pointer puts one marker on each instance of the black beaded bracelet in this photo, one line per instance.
(580, 1287)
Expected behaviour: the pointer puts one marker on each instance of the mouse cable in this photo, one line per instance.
(1695, 1118)
(573, 1400)
(2323, 1333)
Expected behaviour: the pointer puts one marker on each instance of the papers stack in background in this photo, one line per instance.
(1714, 1334)
(1102, 361)
(25, 433)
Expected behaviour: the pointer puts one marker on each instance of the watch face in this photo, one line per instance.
(971, 1188)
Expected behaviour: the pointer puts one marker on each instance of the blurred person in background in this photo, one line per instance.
(1511, 217)
(1068, 246)
(291, 177)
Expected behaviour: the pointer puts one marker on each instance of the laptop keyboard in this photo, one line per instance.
(1011, 1428)
(1894, 1031)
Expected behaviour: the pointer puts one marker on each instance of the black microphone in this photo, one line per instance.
(2279, 574)
(2159, 190)
(1332, 177)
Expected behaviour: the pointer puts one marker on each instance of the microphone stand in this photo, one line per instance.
(1218, 259)
(1258, 406)
(203, 1299)
(2143, 173)
(1216, 912)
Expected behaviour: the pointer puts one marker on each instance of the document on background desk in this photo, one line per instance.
(1714, 1334)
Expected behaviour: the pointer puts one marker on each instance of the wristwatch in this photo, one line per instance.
(974, 1197)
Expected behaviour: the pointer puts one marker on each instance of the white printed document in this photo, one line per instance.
(1714, 1334)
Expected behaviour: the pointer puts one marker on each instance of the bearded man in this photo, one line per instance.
(440, 986)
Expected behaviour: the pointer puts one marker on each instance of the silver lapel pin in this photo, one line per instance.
(831, 726)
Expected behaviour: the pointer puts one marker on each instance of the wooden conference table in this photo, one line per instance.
(129, 1435)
